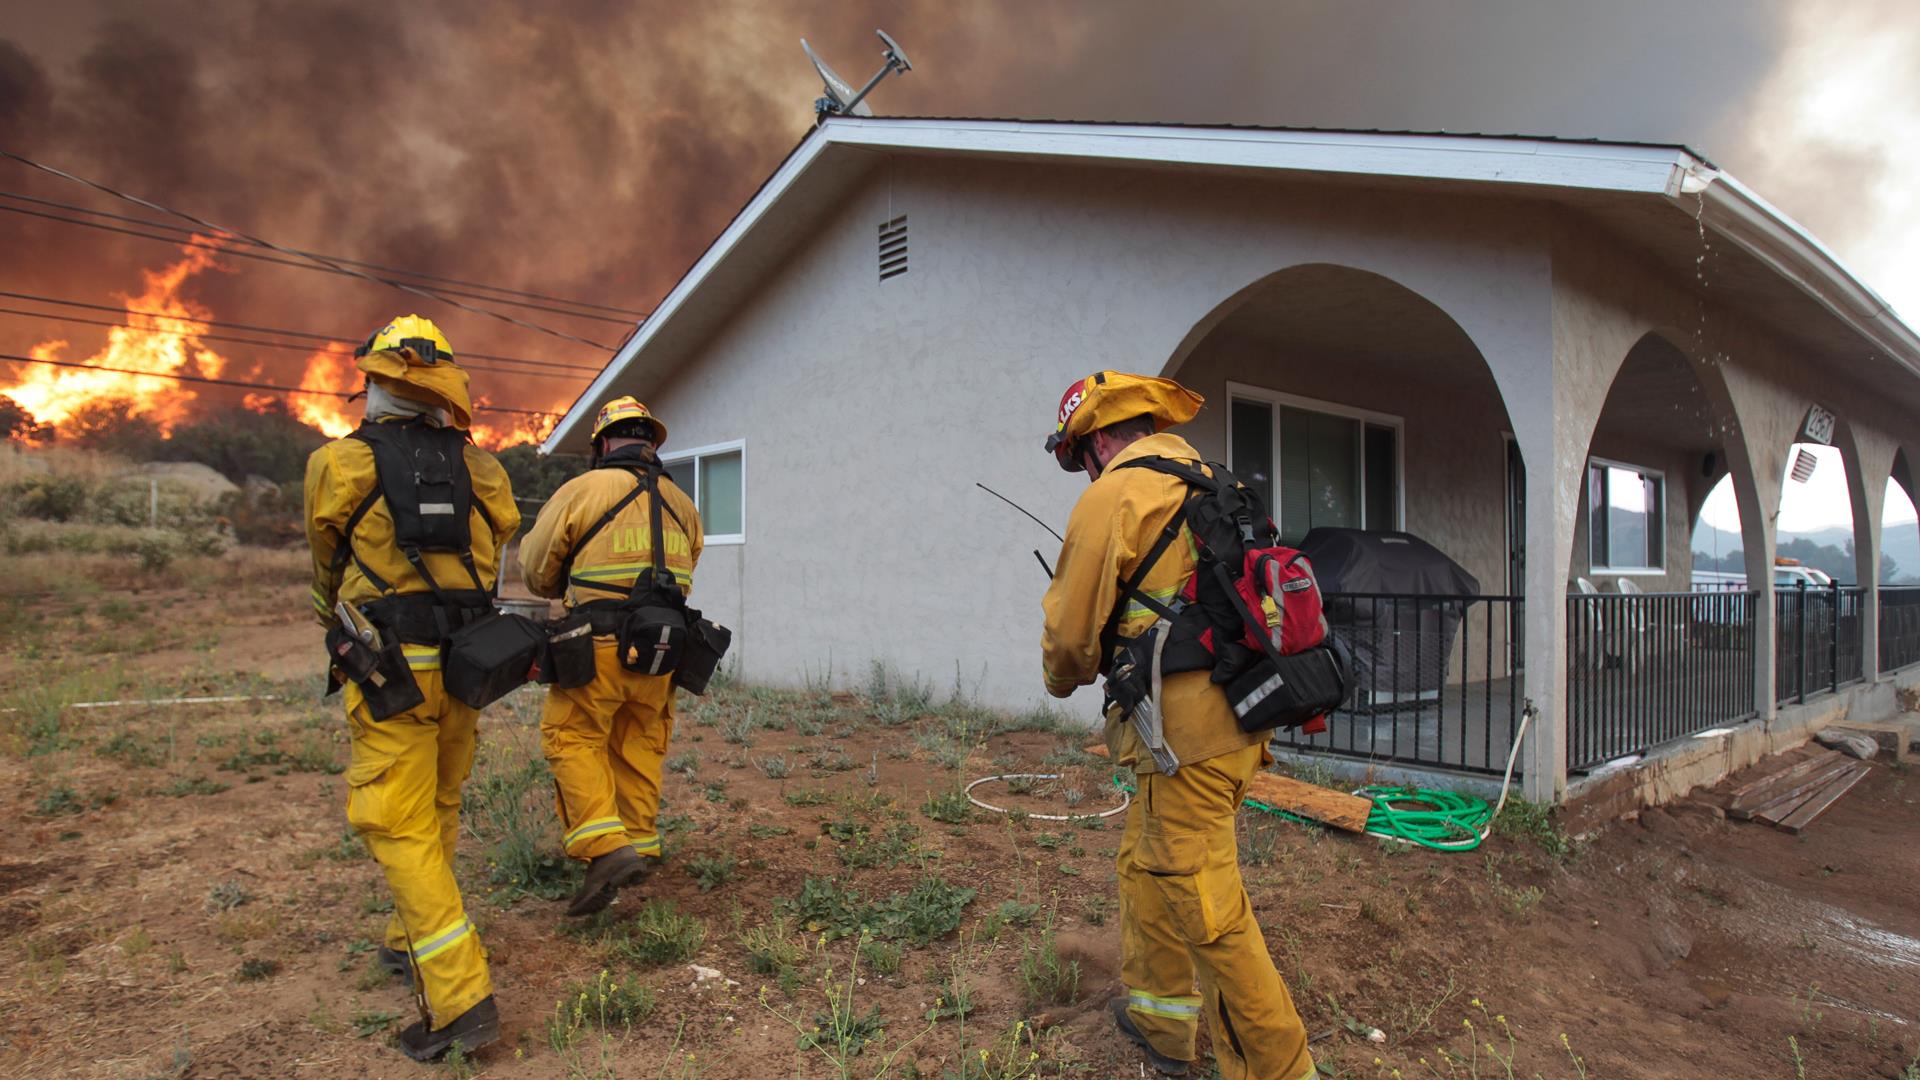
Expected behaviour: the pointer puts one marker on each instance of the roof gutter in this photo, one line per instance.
(1732, 210)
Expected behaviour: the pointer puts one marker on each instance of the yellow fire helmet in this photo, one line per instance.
(1108, 397)
(627, 408)
(411, 357)
(410, 332)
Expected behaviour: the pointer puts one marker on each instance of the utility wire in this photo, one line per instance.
(309, 256)
(231, 382)
(152, 224)
(298, 265)
(309, 335)
(292, 346)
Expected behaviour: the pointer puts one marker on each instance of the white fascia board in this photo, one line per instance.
(1541, 162)
(1737, 213)
(755, 210)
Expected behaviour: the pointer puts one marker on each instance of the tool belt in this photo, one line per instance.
(421, 619)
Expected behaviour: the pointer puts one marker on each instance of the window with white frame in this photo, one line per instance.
(1315, 463)
(716, 478)
(1626, 517)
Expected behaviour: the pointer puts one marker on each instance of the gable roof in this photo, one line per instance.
(831, 158)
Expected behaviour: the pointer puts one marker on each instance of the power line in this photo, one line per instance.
(309, 256)
(289, 345)
(232, 382)
(226, 250)
(150, 223)
(308, 334)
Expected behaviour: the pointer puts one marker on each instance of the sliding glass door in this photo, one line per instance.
(1328, 465)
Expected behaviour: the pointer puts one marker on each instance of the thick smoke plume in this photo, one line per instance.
(592, 149)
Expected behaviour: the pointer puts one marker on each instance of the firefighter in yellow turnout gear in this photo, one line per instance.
(1184, 913)
(607, 741)
(403, 784)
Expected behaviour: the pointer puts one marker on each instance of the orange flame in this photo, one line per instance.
(168, 345)
(162, 335)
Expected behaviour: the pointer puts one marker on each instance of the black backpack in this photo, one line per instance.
(421, 472)
(1250, 613)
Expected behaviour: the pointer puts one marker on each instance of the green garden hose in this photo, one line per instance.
(1424, 817)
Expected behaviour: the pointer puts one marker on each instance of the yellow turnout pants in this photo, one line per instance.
(1184, 915)
(403, 798)
(606, 742)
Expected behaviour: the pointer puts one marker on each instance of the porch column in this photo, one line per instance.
(1870, 458)
(1552, 491)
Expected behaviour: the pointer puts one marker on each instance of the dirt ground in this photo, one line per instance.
(179, 895)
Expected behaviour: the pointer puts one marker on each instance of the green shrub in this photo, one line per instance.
(710, 870)
(929, 911)
(1046, 978)
(951, 807)
(605, 1003)
(49, 498)
(659, 934)
(510, 807)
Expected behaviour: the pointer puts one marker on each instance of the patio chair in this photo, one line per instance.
(1602, 645)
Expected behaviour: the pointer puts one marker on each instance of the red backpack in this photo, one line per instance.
(1251, 612)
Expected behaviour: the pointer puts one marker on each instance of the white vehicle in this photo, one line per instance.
(1793, 576)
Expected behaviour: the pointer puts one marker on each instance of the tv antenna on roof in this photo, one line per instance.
(841, 99)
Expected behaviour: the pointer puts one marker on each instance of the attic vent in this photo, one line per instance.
(893, 248)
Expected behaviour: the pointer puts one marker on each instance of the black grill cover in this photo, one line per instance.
(1400, 642)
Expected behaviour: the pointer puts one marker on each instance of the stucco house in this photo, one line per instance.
(1539, 355)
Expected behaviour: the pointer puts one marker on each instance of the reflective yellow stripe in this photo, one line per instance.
(606, 572)
(647, 845)
(445, 939)
(422, 657)
(1178, 1008)
(1135, 608)
(593, 828)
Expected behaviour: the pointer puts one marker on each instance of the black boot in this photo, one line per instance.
(605, 876)
(394, 962)
(1162, 1064)
(470, 1031)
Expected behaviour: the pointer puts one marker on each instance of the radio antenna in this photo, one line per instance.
(841, 99)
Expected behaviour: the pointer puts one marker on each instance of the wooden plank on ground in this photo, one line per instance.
(1781, 801)
(1782, 783)
(1769, 787)
(1822, 799)
(1335, 808)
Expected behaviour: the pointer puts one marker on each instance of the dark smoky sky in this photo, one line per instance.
(591, 149)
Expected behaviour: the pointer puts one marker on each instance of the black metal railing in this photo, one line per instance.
(1899, 626)
(1437, 681)
(1645, 668)
(1818, 639)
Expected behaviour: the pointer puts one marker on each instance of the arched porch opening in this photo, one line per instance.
(1899, 614)
(1353, 403)
(1820, 599)
(1661, 619)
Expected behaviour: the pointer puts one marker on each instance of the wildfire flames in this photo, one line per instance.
(163, 334)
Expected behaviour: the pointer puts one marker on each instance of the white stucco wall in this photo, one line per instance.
(870, 409)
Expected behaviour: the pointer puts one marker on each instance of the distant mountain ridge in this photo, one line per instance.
(1899, 541)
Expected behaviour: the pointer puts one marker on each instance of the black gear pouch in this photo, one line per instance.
(1303, 685)
(652, 638)
(569, 661)
(707, 642)
(385, 679)
(490, 656)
